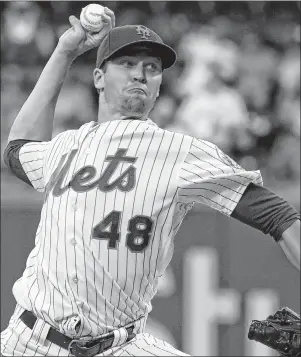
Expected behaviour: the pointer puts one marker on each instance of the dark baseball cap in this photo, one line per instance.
(121, 39)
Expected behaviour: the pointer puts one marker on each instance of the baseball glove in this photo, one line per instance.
(281, 331)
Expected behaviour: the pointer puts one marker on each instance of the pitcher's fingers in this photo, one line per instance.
(111, 14)
(106, 18)
(74, 22)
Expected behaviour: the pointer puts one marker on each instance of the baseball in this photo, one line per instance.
(90, 17)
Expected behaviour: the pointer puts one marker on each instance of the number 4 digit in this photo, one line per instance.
(113, 235)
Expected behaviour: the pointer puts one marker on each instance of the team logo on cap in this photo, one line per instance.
(143, 32)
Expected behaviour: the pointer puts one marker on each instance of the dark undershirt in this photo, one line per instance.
(262, 209)
(258, 207)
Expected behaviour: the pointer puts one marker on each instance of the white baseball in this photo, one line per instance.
(90, 17)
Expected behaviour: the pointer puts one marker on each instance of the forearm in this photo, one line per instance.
(290, 243)
(35, 119)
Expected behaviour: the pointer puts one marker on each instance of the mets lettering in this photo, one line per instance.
(81, 181)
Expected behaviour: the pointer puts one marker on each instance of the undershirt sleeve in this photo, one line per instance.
(262, 209)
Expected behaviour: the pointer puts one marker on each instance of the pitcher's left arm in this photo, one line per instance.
(262, 209)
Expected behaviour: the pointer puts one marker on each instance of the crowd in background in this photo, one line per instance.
(236, 82)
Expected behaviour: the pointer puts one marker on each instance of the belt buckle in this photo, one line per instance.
(78, 347)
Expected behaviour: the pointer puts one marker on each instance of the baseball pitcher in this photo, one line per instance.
(116, 191)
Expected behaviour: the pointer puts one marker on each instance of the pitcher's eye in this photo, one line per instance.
(152, 67)
(127, 63)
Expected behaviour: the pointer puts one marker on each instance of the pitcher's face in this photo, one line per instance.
(131, 83)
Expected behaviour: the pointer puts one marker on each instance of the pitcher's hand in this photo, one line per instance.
(76, 40)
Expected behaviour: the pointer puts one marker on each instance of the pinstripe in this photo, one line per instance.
(35, 352)
(198, 186)
(67, 216)
(148, 352)
(39, 335)
(18, 338)
(127, 255)
(32, 151)
(96, 194)
(56, 258)
(73, 299)
(201, 167)
(66, 251)
(49, 239)
(39, 261)
(151, 215)
(114, 204)
(122, 210)
(213, 156)
(216, 183)
(39, 168)
(8, 339)
(57, 245)
(84, 250)
(39, 178)
(54, 155)
(148, 343)
(120, 352)
(149, 271)
(143, 209)
(193, 173)
(101, 171)
(46, 232)
(164, 350)
(206, 189)
(169, 208)
(29, 161)
(104, 210)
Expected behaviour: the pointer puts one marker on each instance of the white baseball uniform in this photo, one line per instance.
(115, 196)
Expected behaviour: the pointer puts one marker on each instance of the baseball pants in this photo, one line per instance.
(19, 340)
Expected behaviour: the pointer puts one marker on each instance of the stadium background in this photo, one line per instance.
(236, 84)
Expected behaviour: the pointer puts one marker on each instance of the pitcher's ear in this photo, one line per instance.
(98, 76)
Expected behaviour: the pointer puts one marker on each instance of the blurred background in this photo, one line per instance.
(237, 84)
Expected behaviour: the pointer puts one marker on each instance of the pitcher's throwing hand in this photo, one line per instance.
(77, 40)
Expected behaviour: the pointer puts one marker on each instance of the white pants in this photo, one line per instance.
(19, 340)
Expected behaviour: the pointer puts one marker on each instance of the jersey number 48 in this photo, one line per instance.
(137, 238)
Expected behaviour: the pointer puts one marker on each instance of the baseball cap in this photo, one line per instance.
(120, 39)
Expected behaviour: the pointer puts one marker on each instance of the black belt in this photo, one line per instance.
(81, 346)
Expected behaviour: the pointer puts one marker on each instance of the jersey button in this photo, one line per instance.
(75, 280)
(73, 242)
(88, 151)
(80, 303)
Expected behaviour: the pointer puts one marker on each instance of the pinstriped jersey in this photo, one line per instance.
(115, 196)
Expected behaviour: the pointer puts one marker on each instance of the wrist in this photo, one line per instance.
(64, 54)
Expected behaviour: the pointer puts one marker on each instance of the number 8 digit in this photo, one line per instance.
(139, 229)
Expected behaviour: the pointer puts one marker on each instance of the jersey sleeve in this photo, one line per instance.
(31, 157)
(34, 161)
(211, 177)
(28, 160)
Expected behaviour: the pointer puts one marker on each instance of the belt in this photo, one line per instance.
(83, 346)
